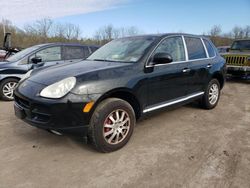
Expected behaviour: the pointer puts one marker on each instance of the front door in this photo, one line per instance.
(168, 82)
(50, 56)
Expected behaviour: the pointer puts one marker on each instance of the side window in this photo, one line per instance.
(24, 61)
(75, 52)
(86, 52)
(93, 48)
(195, 48)
(174, 46)
(210, 48)
(50, 54)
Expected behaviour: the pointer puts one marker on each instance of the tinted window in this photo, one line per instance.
(241, 45)
(75, 52)
(174, 47)
(50, 54)
(209, 47)
(195, 48)
(93, 48)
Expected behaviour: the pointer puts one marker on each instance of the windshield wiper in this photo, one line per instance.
(106, 60)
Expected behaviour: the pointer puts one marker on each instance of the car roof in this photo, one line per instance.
(166, 35)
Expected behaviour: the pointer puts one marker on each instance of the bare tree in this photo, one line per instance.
(72, 31)
(215, 31)
(40, 27)
(247, 31)
(237, 32)
(108, 32)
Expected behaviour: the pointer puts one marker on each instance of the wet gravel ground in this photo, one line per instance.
(184, 147)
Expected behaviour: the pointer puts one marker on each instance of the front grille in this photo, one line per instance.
(236, 60)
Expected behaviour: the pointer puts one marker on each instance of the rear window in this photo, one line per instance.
(195, 48)
(210, 48)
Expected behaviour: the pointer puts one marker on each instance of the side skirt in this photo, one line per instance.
(172, 102)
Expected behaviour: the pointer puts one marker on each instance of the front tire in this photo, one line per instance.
(111, 125)
(7, 88)
(212, 95)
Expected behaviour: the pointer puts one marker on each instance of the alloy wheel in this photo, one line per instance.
(8, 89)
(213, 94)
(116, 126)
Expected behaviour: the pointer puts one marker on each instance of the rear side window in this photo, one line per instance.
(209, 47)
(75, 52)
(173, 46)
(195, 48)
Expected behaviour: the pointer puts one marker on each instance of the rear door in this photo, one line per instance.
(75, 53)
(199, 63)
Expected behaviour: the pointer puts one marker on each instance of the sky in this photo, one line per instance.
(149, 16)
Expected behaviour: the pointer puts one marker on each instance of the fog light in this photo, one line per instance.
(88, 107)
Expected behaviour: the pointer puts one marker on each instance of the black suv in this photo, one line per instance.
(119, 83)
(13, 68)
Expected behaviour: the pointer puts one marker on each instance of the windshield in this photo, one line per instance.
(241, 45)
(123, 50)
(22, 54)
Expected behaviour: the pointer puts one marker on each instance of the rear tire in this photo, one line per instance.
(111, 125)
(7, 87)
(212, 95)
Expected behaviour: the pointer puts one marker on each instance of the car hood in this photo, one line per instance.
(4, 64)
(48, 76)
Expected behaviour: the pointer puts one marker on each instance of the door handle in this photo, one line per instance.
(209, 65)
(185, 70)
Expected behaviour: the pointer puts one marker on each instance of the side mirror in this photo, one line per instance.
(227, 50)
(36, 60)
(162, 58)
(7, 41)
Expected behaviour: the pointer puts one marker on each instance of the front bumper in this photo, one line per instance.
(241, 70)
(63, 115)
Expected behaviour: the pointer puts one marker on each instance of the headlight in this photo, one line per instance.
(59, 89)
(27, 75)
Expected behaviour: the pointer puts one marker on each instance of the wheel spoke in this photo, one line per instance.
(6, 87)
(122, 116)
(108, 133)
(117, 137)
(112, 119)
(117, 115)
(112, 137)
(108, 126)
(125, 121)
(7, 93)
(124, 128)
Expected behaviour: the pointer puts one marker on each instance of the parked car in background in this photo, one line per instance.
(102, 97)
(14, 67)
(223, 49)
(238, 58)
(2, 54)
(7, 50)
